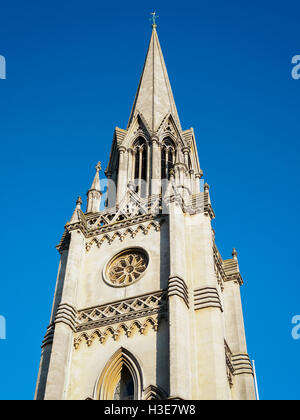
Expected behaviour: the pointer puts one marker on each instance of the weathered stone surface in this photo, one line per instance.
(170, 313)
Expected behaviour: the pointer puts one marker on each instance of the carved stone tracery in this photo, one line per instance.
(127, 267)
(129, 316)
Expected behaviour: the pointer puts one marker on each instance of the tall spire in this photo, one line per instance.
(154, 98)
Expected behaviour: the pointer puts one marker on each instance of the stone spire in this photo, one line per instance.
(234, 254)
(154, 98)
(94, 193)
(76, 215)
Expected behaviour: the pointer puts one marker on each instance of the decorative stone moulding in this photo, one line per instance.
(115, 331)
(207, 297)
(242, 364)
(126, 267)
(178, 287)
(122, 233)
(142, 306)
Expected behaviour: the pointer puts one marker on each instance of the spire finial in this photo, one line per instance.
(154, 17)
(78, 202)
(96, 182)
(94, 193)
(234, 254)
(75, 217)
(206, 187)
(98, 167)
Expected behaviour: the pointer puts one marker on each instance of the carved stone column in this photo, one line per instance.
(187, 180)
(130, 168)
(198, 176)
(186, 151)
(192, 178)
(111, 190)
(122, 174)
(148, 175)
(156, 167)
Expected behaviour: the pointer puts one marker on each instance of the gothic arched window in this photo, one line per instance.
(140, 165)
(125, 387)
(121, 378)
(167, 157)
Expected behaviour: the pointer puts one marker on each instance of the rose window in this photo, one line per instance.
(127, 267)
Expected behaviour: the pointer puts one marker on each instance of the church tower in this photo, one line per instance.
(145, 307)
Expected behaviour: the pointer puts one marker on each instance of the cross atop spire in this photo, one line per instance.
(154, 17)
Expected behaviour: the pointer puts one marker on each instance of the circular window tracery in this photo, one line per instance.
(126, 267)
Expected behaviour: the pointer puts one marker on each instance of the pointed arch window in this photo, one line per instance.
(140, 165)
(167, 157)
(121, 379)
(125, 387)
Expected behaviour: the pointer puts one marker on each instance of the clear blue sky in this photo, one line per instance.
(72, 72)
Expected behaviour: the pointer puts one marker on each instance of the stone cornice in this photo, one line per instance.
(64, 242)
(228, 270)
(122, 224)
(121, 233)
(144, 210)
(95, 224)
(120, 135)
(115, 331)
(200, 203)
(122, 311)
(236, 278)
(127, 316)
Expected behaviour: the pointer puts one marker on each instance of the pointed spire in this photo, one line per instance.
(235, 258)
(75, 217)
(234, 254)
(94, 193)
(206, 187)
(154, 98)
(78, 203)
(96, 182)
